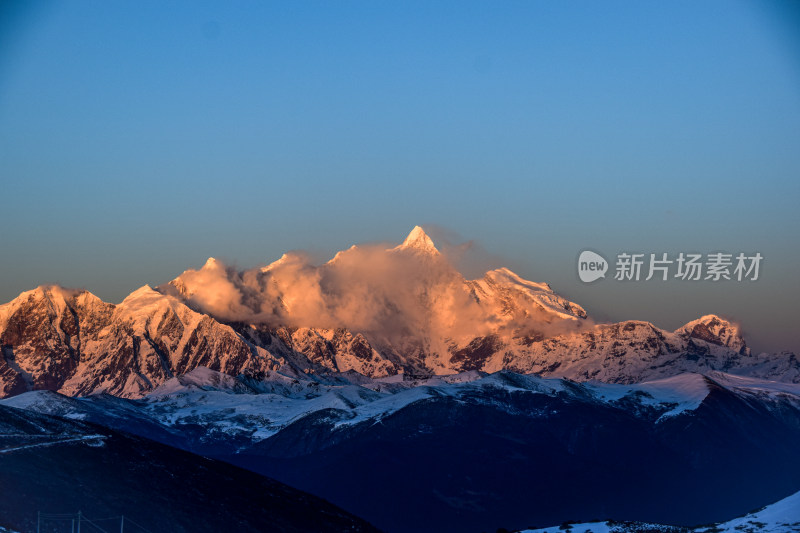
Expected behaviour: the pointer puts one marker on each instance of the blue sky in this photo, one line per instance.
(139, 138)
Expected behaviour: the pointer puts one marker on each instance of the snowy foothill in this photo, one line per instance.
(259, 408)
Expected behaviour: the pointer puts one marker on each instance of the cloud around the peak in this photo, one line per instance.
(387, 292)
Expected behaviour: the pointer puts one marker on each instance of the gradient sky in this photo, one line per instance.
(139, 138)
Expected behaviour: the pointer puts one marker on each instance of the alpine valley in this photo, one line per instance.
(384, 385)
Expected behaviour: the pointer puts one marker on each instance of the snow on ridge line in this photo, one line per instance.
(506, 275)
(687, 391)
(783, 515)
(754, 384)
(688, 387)
(67, 440)
(779, 517)
(682, 393)
(239, 405)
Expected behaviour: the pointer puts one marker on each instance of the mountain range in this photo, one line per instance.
(374, 310)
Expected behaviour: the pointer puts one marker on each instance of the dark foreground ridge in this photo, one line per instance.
(55, 465)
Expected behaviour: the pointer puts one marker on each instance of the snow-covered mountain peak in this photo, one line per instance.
(212, 264)
(512, 295)
(146, 307)
(285, 259)
(54, 291)
(141, 296)
(419, 241)
(54, 294)
(341, 254)
(50, 299)
(715, 330)
(87, 299)
(711, 320)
